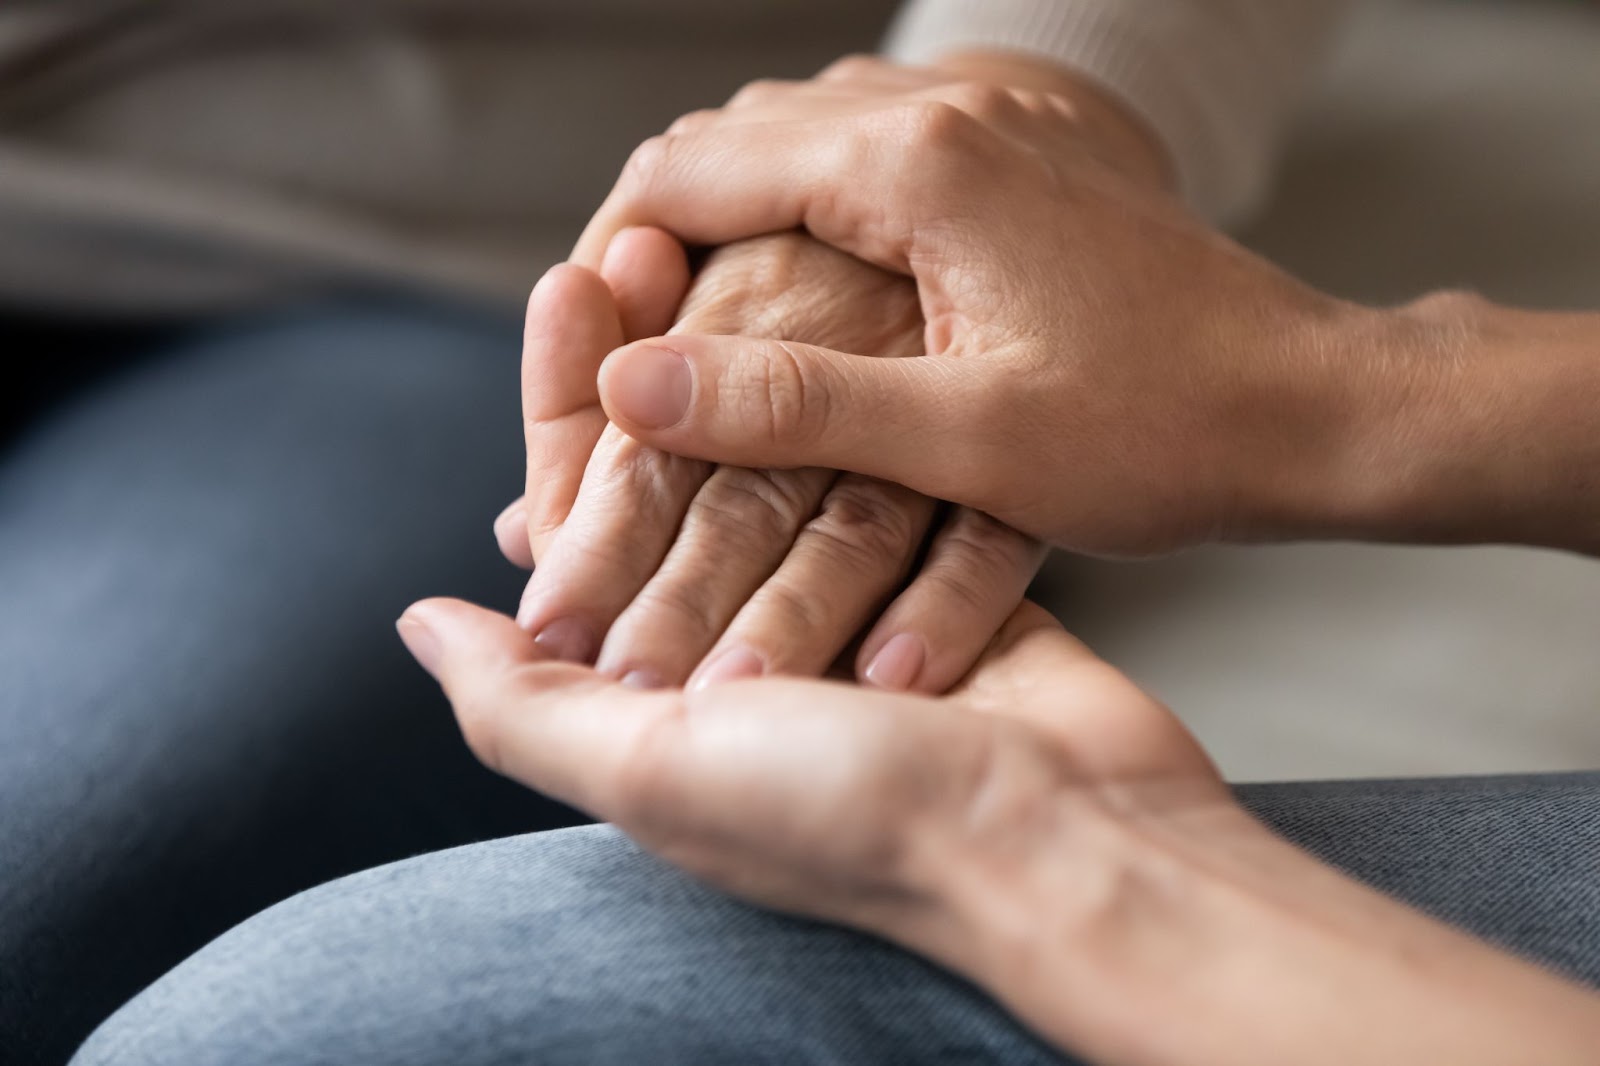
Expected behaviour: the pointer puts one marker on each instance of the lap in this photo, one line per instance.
(575, 947)
(205, 708)
(562, 947)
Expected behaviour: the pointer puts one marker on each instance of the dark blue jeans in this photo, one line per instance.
(203, 705)
(204, 711)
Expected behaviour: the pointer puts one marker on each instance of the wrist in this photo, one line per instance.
(1449, 420)
(1195, 935)
(1114, 133)
(1066, 912)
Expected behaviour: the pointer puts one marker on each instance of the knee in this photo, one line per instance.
(569, 946)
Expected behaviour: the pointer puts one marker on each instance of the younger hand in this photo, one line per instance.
(1102, 370)
(1047, 831)
(822, 798)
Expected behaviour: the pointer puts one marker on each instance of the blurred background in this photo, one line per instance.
(171, 166)
(1448, 144)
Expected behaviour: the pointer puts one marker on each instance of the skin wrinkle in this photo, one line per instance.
(792, 269)
(859, 529)
(766, 504)
(793, 393)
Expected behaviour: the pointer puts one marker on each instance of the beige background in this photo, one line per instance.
(1450, 144)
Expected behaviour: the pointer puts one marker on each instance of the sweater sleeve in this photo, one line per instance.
(1216, 80)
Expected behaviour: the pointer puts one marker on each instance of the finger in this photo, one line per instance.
(762, 403)
(572, 323)
(976, 572)
(1036, 673)
(627, 513)
(553, 726)
(865, 180)
(735, 534)
(511, 534)
(844, 565)
(648, 272)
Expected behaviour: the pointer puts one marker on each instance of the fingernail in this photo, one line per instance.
(731, 665)
(649, 386)
(421, 642)
(897, 663)
(567, 639)
(643, 679)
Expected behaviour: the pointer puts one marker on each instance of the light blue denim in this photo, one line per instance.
(573, 947)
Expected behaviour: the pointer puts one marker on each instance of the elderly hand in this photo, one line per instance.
(655, 565)
(1102, 370)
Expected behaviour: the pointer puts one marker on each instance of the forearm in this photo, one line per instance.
(1210, 941)
(1460, 422)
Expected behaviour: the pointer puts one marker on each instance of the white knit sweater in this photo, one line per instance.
(192, 155)
(1218, 80)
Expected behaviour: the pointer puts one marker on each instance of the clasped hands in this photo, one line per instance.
(928, 287)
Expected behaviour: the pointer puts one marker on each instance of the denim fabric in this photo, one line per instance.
(573, 947)
(203, 706)
(554, 948)
(1515, 859)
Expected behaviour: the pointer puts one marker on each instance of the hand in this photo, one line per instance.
(1102, 370)
(1046, 830)
(817, 797)
(740, 571)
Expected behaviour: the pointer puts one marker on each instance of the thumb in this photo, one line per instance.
(554, 726)
(781, 404)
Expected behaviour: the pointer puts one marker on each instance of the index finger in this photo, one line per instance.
(859, 183)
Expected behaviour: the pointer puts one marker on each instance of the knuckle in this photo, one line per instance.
(850, 68)
(647, 162)
(691, 122)
(935, 125)
(760, 91)
(979, 534)
(781, 286)
(763, 504)
(931, 147)
(1037, 102)
(862, 526)
(978, 99)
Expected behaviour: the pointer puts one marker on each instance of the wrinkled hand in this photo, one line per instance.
(1102, 370)
(827, 799)
(653, 564)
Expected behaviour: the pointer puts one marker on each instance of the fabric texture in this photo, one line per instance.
(576, 947)
(205, 707)
(182, 156)
(193, 155)
(1216, 80)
